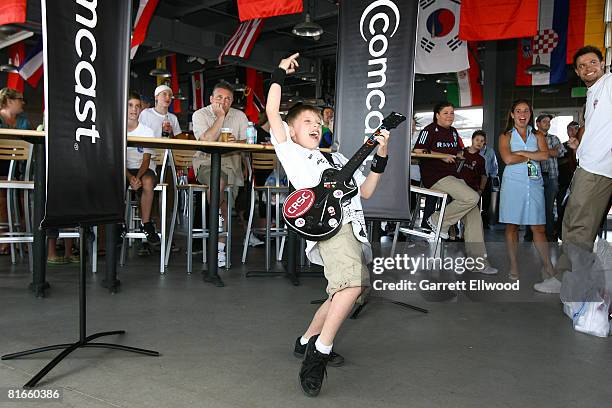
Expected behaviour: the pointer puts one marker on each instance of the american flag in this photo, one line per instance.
(243, 40)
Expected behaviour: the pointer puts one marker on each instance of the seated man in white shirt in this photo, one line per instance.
(158, 118)
(141, 168)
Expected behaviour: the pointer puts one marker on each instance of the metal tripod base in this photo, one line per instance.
(359, 308)
(84, 340)
(69, 348)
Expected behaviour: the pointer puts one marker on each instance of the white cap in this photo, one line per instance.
(161, 89)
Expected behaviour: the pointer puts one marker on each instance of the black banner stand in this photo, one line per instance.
(84, 340)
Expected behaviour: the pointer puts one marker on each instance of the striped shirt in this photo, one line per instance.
(550, 165)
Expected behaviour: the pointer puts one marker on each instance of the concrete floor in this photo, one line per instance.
(231, 347)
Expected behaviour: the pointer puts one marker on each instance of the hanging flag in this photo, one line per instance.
(586, 27)
(243, 40)
(146, 8)
(549, 46)
(197, 88)
(495, 20)
(254, 94)
(174, 84)
(439, 48)
(468, 90)
(32, 68)
(250, 9)
(16, 54)
(12, 11)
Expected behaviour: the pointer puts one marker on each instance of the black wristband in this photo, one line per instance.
(278, 76)
(379, 164)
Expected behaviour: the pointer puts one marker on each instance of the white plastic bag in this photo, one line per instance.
(586, 291)
(590, 317)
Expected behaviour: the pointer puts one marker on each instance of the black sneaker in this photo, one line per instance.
(313, 369)
(335, 359)
(149, 230)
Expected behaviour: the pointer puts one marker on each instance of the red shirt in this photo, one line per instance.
(441, 140)
(473, 169)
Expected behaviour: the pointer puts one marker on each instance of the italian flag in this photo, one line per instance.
(467, 91)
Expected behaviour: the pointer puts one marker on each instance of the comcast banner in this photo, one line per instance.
(375, 73)
(85, 45)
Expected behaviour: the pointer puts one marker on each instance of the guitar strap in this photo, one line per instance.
(329, 158)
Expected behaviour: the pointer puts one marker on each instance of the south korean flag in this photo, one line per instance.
(439, 48)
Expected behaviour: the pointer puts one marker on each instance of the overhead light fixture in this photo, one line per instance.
(15, 38)
(537, 68)
(238, 87)
(201, 60)
(10, 68)
(549, 90)
(308, 28)
(164, 73)
(447, 79)
(179, 96)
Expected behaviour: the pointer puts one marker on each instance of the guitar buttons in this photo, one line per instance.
(338, 193)
(331, 211)
(333, 222)
(300, 222)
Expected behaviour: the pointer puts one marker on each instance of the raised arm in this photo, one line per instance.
(289, 65)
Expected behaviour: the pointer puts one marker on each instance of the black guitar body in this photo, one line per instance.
(316, 213)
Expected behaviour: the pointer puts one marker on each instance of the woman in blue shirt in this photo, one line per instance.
(522, 190)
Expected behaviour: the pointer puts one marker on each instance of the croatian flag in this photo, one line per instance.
(32, 68)
(550, 45)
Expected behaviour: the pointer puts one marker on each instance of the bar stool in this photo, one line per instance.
(132, 218)
(263, 161)
(184, 159)
(432, 236)
(17, 152)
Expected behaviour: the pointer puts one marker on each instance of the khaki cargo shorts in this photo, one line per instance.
(343, 259)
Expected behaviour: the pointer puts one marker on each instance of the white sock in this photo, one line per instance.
(322, 348)
(221, 246)
(304, 340)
